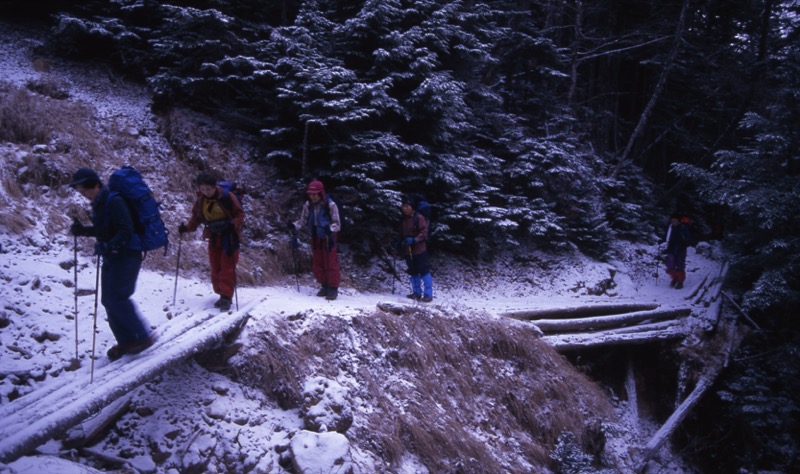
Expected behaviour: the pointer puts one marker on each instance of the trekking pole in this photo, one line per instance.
(394, 270)
(295, 244)
(658, 260)
(94, 324)
(325, 263)
(177, 269)
(75, 275)
(236, 288)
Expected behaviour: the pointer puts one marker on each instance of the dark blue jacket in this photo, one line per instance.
(113, 225)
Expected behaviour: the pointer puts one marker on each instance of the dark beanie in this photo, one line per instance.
(206, 178)
(84, 176)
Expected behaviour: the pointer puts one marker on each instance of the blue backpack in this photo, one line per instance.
(150, 231)
(335, 200)
(422, 207)
(229, 187)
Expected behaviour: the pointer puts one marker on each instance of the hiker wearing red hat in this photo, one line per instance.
(320, 216)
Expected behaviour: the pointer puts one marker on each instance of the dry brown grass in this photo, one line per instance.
(72, 136)
(452, 391)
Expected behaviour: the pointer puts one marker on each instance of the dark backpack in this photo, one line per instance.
(150, 231)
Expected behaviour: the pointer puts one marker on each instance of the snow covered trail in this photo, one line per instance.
(32, 420)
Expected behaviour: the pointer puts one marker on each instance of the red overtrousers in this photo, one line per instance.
(223, 268)
(324, 263)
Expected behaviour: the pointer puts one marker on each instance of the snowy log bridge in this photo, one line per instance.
(600, 325)
(604, 325)
(47, 413)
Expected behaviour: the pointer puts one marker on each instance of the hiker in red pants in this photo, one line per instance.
(223, 216)
(320, 216)
(678, 238)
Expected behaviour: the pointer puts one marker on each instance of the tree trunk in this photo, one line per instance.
(662, 81)
(601, 322)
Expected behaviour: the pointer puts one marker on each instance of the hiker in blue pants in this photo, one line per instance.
(412, 246)
(113, 228)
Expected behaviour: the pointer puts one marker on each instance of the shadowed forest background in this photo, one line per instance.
(528, 124)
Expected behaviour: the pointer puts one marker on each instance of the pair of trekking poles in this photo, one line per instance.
(295, 245)
(94, 313)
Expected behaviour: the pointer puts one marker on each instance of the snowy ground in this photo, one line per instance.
(37, 339)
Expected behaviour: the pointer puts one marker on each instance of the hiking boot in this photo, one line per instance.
(679, 285)
(115, 353)
(140, 346)
(218, 303)
(673, 283)
(224, 303)
(332, 294)
(323, 292)
(427, 299)
(414, 296)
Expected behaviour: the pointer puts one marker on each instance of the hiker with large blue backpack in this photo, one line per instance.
(414, 228)
(122, 238)
(219, 210)
(320, 215)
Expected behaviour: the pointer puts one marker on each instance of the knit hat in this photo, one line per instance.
(206, 178)
(83, 176)
(408, 199)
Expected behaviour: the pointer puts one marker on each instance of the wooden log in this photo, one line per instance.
(578, 311)
(600, 322)
(630, 388)
(83, 433)
(674, 420)
(741, 311)
(698, 287)
(28, 425)
(705, 381)
(569, 342)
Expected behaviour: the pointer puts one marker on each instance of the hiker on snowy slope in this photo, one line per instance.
(678, 238)
(412, 246)
(223, 217)
(114, 229)
(320, 216)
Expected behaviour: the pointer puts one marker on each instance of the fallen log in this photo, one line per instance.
(85, 432)
(601, 322)
(630, 389)
(32, 423)
(741, 311)
(658, 332)
(706, 380)
(674, 420)
(578, 311)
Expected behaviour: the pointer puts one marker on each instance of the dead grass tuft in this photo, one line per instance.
(461, 393)
(49, 86)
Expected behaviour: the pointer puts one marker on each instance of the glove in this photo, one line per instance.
(80, 230)
(409, 241)
(182, 229)
(102, 249)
